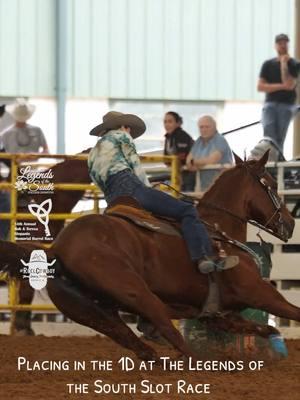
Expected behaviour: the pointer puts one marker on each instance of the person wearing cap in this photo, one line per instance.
(115, 167)
(278, 80)
(20, 138)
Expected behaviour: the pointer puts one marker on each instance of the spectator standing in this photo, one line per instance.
(179, 143)
(20, 138)
(277, 79)
(4, 196)
(209, 148)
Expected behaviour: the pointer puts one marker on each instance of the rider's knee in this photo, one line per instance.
(189, 211)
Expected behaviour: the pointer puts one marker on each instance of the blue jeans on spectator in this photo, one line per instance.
(4, 208)
(125, 183)
(276, 118)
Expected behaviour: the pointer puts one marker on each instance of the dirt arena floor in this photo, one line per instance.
(278, 380)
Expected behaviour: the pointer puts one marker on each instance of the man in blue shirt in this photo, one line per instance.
(209, 148)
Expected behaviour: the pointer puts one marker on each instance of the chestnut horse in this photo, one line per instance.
(119, 266)
(75, 171)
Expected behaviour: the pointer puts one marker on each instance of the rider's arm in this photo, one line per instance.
(131, 156)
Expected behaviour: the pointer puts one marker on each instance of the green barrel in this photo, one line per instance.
(206, 341)
(263, 252)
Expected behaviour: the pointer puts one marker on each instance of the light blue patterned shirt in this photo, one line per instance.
(113, 153)
(203, 149)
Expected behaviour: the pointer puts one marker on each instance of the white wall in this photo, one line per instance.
(82, 115)
(238, 114)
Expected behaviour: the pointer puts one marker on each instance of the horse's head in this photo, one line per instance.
(261, 199)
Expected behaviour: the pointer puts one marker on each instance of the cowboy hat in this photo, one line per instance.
(115, 119)
(20, 110)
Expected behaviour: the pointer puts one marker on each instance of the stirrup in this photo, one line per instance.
(208, 265)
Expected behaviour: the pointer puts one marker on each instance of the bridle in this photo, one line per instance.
(275, 199)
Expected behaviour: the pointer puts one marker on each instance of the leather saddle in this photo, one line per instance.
(129, 209)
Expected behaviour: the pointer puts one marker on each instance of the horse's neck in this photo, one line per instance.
(228, 215)
(75, 172)
(72, 171)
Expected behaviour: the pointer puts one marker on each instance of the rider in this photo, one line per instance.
(115, 167)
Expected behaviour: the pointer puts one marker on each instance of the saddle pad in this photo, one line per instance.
(143, 219)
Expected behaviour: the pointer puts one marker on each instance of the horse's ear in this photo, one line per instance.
(263, 160)
(237, 159)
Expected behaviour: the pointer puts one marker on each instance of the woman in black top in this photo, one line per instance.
(179, 143)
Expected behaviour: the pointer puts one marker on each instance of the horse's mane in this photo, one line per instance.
(226, 172)
(216, 182)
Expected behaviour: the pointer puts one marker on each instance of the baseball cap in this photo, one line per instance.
(281, 36)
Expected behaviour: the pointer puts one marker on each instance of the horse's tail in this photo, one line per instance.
(11, 255)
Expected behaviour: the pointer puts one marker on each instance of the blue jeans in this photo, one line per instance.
(122, 183)
(125, 183)
(4, 208)
(276, 118)
(193, 230)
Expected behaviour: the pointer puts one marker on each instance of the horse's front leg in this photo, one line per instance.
(263, 296)
(235, 323)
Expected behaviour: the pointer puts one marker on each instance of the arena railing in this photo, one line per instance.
(13, 216)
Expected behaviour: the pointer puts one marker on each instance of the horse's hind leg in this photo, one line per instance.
(71, 302)
(23, 318)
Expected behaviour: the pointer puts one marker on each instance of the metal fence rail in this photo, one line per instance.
(16, 160)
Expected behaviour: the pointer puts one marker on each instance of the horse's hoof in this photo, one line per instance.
(24, 332)
(278, 345)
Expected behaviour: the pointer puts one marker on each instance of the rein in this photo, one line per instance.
(274, 198)
(244, 220)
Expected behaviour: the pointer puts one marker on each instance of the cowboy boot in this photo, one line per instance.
(211, 264)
